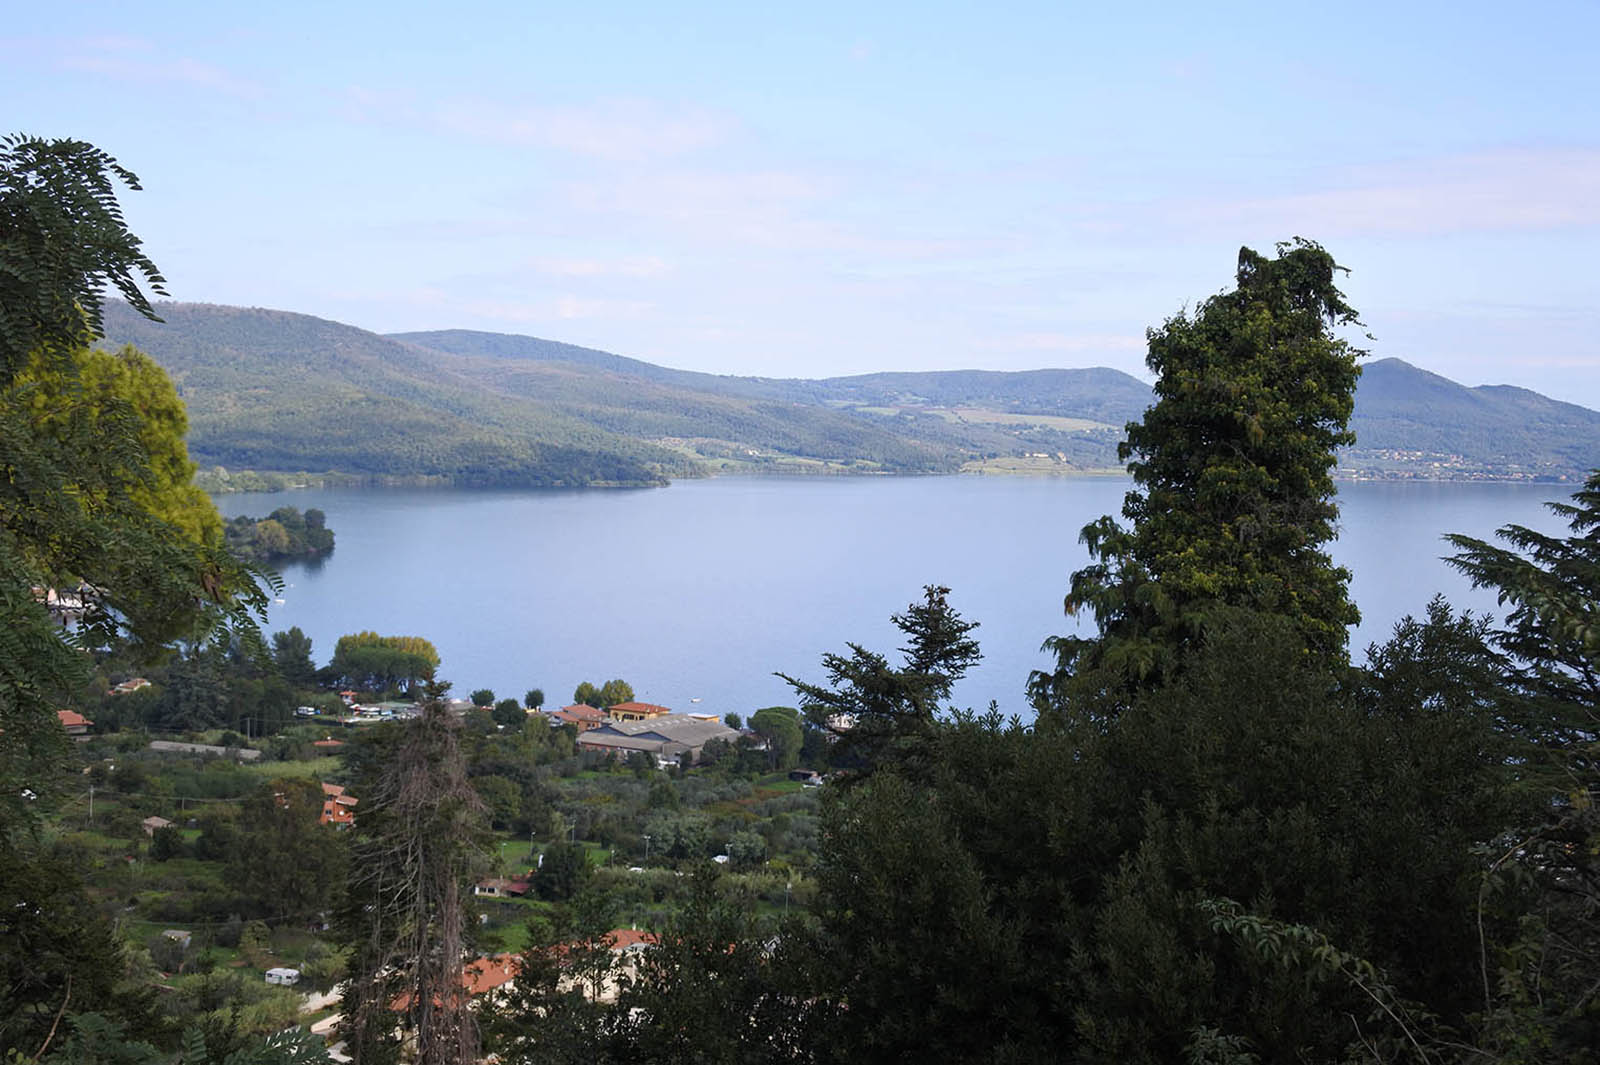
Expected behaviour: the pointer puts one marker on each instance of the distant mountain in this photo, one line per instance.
(1411, 422)
(278, 391)
(271, 390)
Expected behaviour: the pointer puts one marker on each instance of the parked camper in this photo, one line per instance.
(286, 977)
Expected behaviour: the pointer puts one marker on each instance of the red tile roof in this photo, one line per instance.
(623, 938)
(73, 719)
(336, 806)
(486, 974)
(479, 976)
(638, 708)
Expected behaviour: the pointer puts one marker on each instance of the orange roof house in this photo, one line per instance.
(580, 715)
(75, 723)
(337, 807)
(636, 711)
(478, 977)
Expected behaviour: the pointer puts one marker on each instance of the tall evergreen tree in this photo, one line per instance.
(1234, 497)
(880, 713)
(1544, 993)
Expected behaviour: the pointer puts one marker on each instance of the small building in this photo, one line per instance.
(479, 977)
(151, 824)
(75, 723)
(672, 737)
(338, 809)
(178, 936)
(501, 888)
(283, 977)
(132, 684)
(579, 715)
(636, 711)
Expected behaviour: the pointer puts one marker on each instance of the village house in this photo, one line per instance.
(151, 824)
(579, 715)
(338, 809)
(75, 723)
(501, 887)
(636, 711)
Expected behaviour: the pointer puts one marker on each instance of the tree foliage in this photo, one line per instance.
(1547, 998)
(293, 863)
(601, 696)
(378, 663)
(62, 240)
(878, 712)
(779, 726)
(1233, 462)
(291, 653)
(283, 534)
(83, 500)
(91, 392)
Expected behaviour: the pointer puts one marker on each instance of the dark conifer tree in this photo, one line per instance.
(1233, 466)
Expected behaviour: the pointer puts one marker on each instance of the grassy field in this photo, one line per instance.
(974, 416)
(316, 768)
(1026, 464)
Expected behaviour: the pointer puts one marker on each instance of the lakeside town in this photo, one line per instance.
(195, 842)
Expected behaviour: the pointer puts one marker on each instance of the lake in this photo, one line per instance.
(696, 593)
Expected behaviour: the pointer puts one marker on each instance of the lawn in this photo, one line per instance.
(315, 768)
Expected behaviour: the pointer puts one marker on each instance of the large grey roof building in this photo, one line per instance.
(668, 737)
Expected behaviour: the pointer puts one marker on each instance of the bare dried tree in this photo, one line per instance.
(420, 842)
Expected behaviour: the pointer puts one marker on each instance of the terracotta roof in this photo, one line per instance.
(623, 938)
(638, 708)
(486, 974)
(479, 976)
(73, 719)
(336, 806)
(584, 710)
(327, 744)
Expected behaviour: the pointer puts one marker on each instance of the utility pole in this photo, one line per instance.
(646, 846)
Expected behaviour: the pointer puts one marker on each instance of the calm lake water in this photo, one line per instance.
(696, 593)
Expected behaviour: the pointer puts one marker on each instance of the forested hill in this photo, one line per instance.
(278, 391)
(271, 390)
(1408, 419)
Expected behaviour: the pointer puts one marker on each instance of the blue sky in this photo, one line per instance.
(836, 189)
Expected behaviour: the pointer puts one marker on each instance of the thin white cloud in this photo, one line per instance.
(177, 71)
(1508, 189)
(568, 307)
(622, 130)
(645, 266)
(1071, 342)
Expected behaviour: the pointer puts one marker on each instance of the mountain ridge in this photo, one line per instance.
(278, 390)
